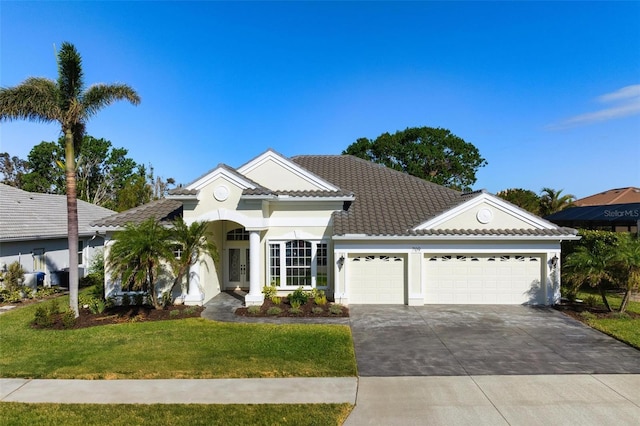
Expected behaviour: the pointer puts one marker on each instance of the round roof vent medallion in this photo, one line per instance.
(221, 193)
(484, 216)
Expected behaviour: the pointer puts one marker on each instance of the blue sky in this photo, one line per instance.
(549, 92)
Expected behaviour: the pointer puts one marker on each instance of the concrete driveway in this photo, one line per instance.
(462, 340)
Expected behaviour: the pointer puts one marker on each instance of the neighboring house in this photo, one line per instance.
(361, 232)
(615, 210)
(33, 231)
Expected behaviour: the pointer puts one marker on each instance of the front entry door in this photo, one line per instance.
(238, 272)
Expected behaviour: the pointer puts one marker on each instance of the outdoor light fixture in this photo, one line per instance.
(554, 261)
(341, 261)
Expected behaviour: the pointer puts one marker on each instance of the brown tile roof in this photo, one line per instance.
(163, 210)
(612, 196)
(387, 202)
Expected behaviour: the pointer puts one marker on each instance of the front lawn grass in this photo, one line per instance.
(620, 326)
(13, 413)
(175, 349)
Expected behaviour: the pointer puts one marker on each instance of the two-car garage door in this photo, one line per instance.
(449, 279)
(483, 279)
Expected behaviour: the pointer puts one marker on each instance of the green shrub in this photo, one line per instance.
(253, 310)
(68, 318)
(276, 300)
(335, 309)
(174, 313)
(269, 291)
(274, 310)
(591, 300)
(296, 310)
(320, 300)
(317, 310)
(110, 302)
(138, 299)
(165, 299)
(42, 317)
(126, 300)
(12, 296)
(315, 293)
(88, 281)
(53, 307)
(13, 277)
(47, 291)
(295, 304)
(298, 295)
(190, 310)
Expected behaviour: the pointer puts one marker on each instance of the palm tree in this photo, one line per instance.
(590, 265)
(627, 263)
(551, 201)
(69, 103)
(193, 241)
(136, 257)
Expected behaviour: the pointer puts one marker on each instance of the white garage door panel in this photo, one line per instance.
(483, 279)
(378, 279)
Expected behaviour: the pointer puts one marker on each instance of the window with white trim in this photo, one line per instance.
(296, 263)
(80, 252)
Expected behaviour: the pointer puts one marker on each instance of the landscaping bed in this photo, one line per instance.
(123, 314)
(284, 309)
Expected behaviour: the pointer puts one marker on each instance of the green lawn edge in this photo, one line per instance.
(175, 349)
(620, 327)
(18, 414)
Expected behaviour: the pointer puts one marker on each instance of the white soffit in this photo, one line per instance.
(288, 165)
(493, 201)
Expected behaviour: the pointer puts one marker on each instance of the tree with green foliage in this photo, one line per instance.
(627, 264)
(604, 260)
(45, 169)
(433, 154)
(193, 241)
(137, 255)
(552, 201)
(523, 198)
(68, 102)
(12, 169)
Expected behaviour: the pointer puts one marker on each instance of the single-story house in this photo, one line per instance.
(33, 232)
(360, 231)
(616, 210)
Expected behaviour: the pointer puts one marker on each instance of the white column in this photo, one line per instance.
(552, 294)
(255, 296)
(194, 294)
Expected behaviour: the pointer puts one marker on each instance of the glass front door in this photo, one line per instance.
(238, 269)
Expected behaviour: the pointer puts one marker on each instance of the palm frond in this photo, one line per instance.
(36, 99)
(99, 96)
(70, 76)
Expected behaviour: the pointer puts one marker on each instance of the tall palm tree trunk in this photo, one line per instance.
(72, 221)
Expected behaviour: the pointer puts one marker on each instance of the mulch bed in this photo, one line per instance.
(576, 309)
(128, 314)
(307, 310)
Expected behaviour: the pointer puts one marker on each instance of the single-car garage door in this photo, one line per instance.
(376, 278)
(483, 279)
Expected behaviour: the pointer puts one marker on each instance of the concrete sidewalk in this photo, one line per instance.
(437, 400)
(498, 400)
(177, 391)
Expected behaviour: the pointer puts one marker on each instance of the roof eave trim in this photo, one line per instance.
(457, 237)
